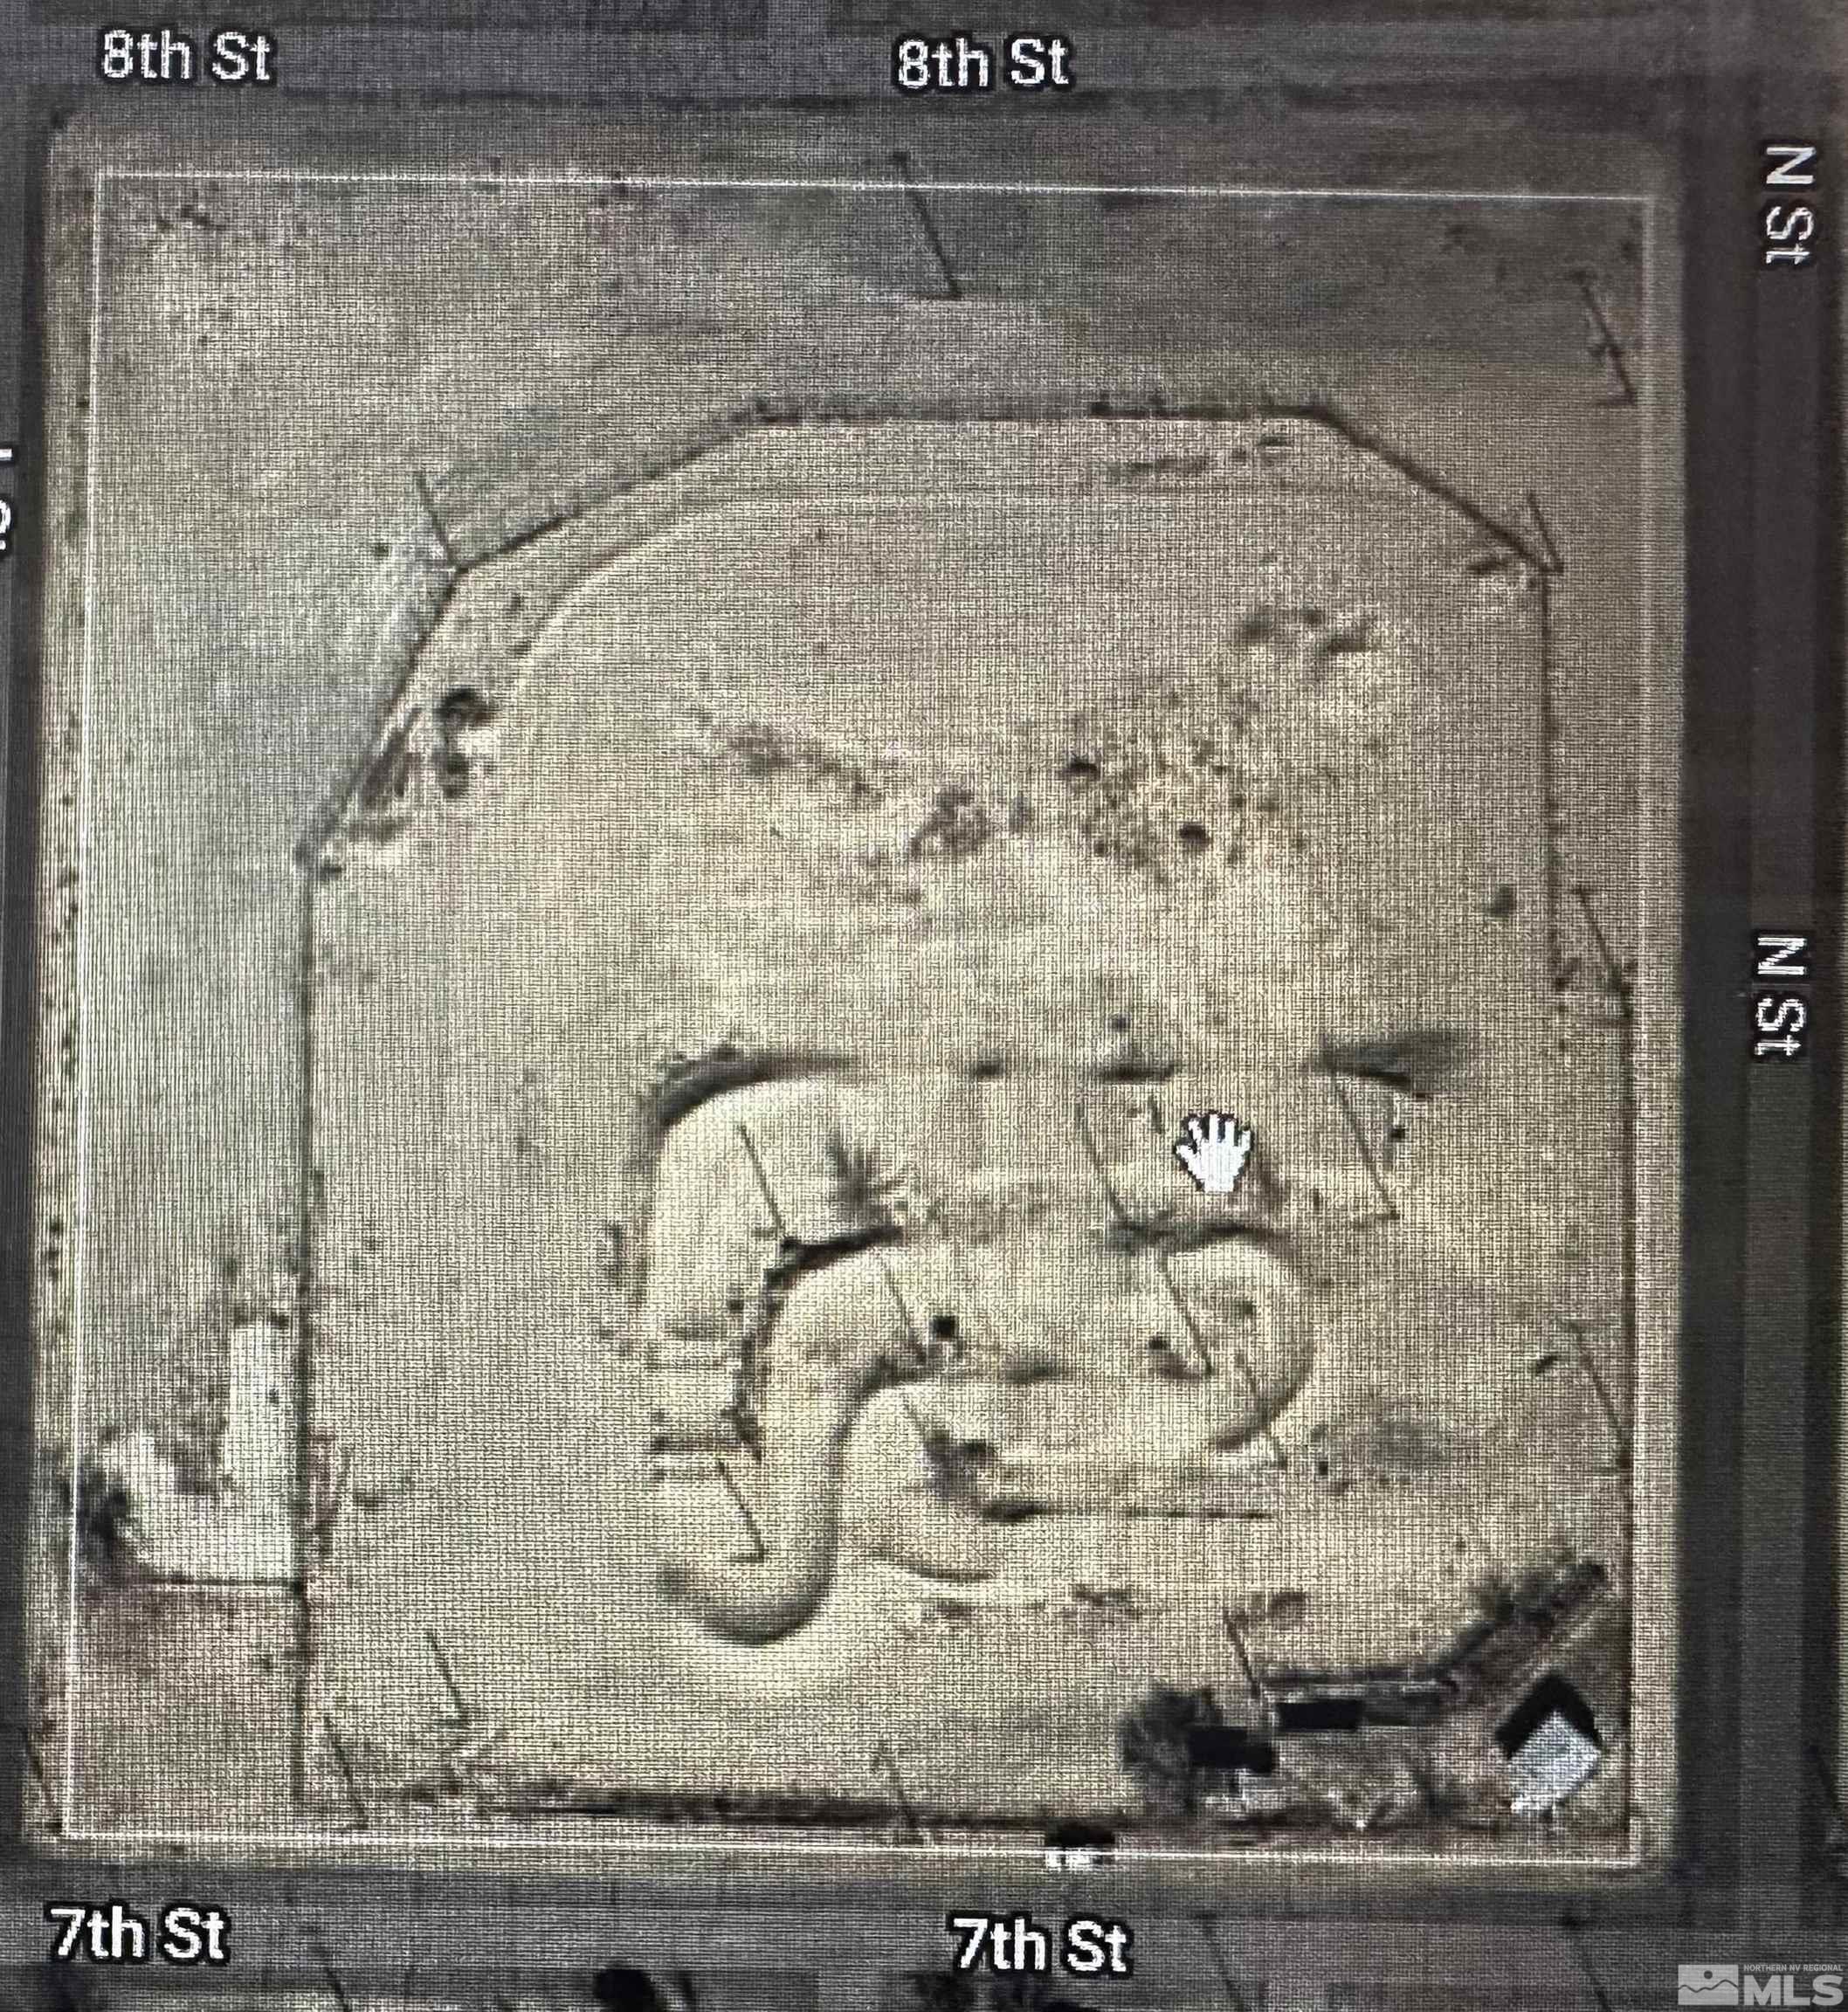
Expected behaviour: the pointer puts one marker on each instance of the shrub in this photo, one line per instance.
(104, 1512)
(1151, 1743)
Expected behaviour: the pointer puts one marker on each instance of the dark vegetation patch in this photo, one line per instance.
(1353, 641)
(1111, 1603)
(1125, 1056)
(956, 1464)
(58, 1988)
(955, 827)
(1419, 1061)
(868, 1186)
(1172, 1233)
(766, 753)
(1022, 1368)
(104, 1511)
(1403, 1440)
(464, 709)
(1168, 1362)
(1159, 468)
(1516, 1616)
(1154, 1743)
(1029, 1994)
(949, 1992)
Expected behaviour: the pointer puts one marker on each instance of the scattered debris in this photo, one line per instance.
(1076, 1847)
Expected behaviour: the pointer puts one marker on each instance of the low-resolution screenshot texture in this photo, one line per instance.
(849, 976)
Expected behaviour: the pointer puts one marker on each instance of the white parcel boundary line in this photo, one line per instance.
(282, 1842)
(373, 1844)
(1655, 1238)
(862, 185)
(80, 1011)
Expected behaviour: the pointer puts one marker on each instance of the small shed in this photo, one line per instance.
(1552, 1746)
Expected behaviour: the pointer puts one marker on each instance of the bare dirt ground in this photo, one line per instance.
(855, 869)
(894, 792)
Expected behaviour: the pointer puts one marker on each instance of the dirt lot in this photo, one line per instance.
(885, 794)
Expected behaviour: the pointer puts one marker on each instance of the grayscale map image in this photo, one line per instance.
(858, 996)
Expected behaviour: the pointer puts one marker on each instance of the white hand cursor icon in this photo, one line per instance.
(1214, 1148)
